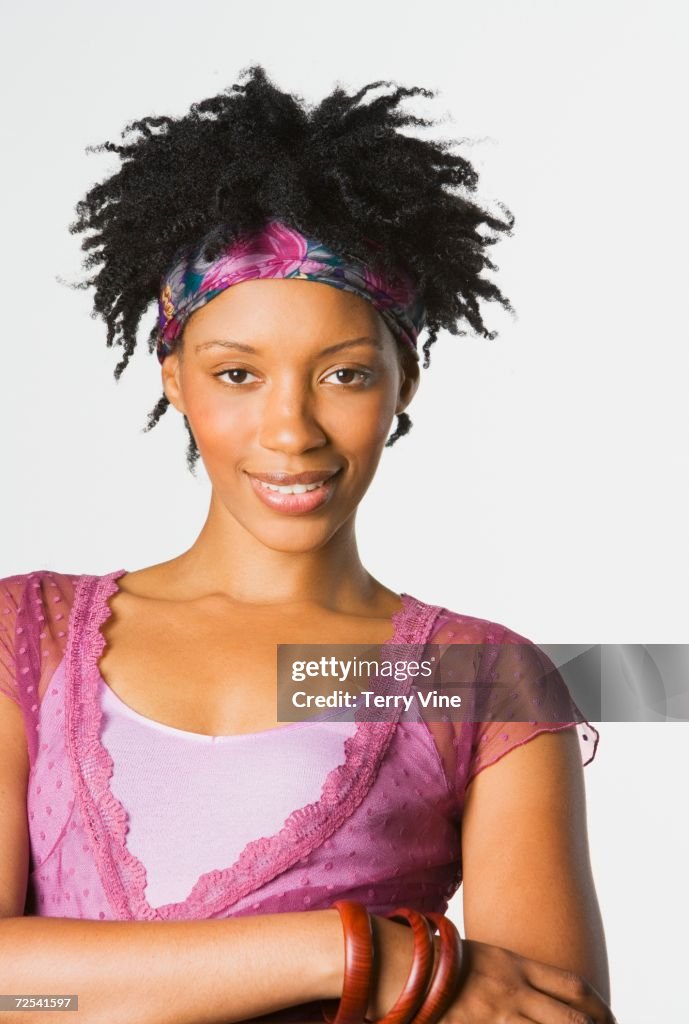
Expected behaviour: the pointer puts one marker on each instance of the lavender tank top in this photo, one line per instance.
(195, 801)
(289, 820)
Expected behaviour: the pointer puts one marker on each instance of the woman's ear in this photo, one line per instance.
(170, 371)
(409, 383)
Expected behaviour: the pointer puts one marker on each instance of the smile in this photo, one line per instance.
(297, 498)
(291, 488)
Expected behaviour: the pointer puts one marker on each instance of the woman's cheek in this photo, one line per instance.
(218, 425)
(374, 432)
(363, 422)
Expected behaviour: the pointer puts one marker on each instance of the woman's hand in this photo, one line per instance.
(496, 984)
(499, 984)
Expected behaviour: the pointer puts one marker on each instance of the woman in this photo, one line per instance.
(158, 810)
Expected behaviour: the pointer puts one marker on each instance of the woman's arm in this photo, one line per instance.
(173, 972)
(151, 972)
(527, 875)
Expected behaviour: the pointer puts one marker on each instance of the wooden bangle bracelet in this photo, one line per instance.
(445, 979)
(358, 975)
(420, 972)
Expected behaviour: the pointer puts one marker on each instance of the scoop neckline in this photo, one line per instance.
(204, 738)
(106, 821)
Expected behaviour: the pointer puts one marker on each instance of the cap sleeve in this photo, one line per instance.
(34, 613)
(516, 693)
(520, 694)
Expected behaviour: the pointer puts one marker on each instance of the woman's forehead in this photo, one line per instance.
(266, 309)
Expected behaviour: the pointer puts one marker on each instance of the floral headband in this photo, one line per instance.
(277, 250)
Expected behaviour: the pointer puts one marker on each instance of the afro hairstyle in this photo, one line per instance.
(340, 171)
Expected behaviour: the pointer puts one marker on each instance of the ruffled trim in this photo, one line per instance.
(106, 821)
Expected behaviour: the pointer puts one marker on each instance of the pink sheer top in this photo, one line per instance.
(130, 819)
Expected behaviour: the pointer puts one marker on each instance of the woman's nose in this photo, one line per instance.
(289, 422)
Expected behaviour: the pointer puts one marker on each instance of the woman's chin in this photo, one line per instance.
(295, 536)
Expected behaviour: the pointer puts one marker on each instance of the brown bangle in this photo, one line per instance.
(420, 972)
(358, 975)
(445, 979)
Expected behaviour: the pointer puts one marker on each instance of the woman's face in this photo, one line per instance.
(285, 377)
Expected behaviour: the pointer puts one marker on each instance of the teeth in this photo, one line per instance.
(291, 488)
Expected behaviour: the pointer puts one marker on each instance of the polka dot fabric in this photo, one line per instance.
(386, 829)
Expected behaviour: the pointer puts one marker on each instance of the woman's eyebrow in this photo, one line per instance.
(241, 346)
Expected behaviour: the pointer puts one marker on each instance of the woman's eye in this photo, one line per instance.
(235, 372)
(346, 373)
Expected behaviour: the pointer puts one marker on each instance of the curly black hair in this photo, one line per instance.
(340, 171)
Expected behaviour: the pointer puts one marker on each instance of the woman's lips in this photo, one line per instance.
(295, 504)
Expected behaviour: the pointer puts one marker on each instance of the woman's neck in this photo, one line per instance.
(226, 558)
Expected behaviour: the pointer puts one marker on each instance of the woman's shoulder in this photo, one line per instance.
(511, 679)
(496, 651)
(34, 612)
(452, 626)
(26, 584)
(34, 598)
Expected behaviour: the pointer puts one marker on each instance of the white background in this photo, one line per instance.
(544, 482)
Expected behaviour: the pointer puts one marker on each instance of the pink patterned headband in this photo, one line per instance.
(281, 251)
